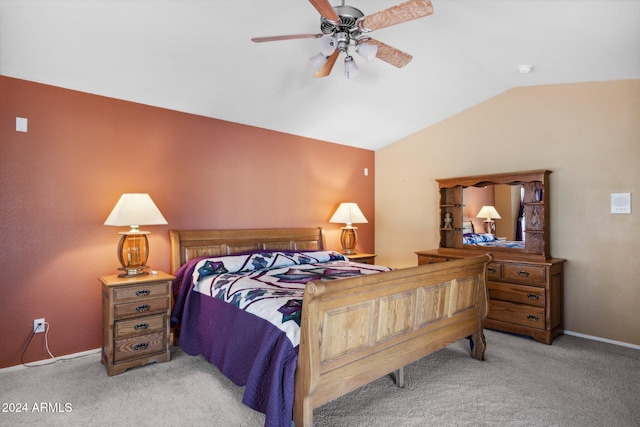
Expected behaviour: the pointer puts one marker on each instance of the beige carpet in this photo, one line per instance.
(574, 382)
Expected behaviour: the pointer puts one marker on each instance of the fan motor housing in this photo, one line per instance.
(348, 21)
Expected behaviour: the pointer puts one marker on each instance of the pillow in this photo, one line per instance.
(473, 238)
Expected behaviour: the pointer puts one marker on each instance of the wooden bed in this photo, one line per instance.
(355, 330)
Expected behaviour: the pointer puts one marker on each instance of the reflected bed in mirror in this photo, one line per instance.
(506, 203)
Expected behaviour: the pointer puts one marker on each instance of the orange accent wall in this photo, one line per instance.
(61, 179)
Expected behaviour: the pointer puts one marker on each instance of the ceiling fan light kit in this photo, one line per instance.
(343, 26)
(367, 51)
(350, 68)
(317, 61)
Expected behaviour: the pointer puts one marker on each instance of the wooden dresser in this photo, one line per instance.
(525, 284)
(524, 297)
(135, 321)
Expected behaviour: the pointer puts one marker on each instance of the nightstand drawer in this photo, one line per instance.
(524, 273)
(139, 346)
(141, 291)
(140, 325)
(155, 305)
(521, 314)
(517, 293)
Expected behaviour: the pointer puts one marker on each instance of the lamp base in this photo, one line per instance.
(133, 251)
(133, 271)
(348, 240)
(490, 227)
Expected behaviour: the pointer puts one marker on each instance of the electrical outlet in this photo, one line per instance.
(38, 326)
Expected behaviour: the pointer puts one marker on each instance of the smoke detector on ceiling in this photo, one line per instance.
(525, 69)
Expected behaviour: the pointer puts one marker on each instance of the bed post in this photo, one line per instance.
(307, 374)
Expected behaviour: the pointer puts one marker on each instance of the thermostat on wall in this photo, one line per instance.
(620, 203)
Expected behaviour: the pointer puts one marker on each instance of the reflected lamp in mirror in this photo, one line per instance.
(134, 210)
(489, 213)
(348, 213)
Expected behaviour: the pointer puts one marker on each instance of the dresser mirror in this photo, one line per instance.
(521, 199)
(507, 202)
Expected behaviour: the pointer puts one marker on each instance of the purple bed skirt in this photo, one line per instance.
(249, 350)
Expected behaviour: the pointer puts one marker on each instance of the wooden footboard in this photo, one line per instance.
(358, 329)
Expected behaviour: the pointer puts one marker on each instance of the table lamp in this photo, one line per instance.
(134, 210)
(348, 213)
(489, 212)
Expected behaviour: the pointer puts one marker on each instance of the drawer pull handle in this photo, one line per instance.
(523, 273)
(143, 307)
(141, 326)
(143, 293)
(532, 317)
(141, 346)
(491, 270)
(532, 296)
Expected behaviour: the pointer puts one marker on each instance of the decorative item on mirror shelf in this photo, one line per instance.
(447, 221)
(538, 194)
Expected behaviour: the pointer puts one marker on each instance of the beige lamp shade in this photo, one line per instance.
(488, 212)
(348, 213)
(134, 210)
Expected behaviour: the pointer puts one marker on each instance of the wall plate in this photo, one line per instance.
(620, 203)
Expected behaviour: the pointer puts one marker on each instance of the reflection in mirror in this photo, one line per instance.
(506, 199)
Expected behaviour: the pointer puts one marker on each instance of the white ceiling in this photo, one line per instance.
(196, 56)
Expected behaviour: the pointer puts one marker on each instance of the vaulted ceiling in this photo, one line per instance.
(196, 56)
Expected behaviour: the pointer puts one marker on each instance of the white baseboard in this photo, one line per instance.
(51, 360)
(591, 337)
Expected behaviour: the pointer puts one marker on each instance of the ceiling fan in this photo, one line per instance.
(343, 26)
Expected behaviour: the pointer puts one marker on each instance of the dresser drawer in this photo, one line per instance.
(128, 348)
(517, 293)
(147, 306)
(494, 270)
(521, 314)
(139, 326)
(141, 291)
(524, 273)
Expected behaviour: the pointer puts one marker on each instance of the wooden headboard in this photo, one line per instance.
(189, 244)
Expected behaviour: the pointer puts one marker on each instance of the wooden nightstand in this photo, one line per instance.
(135, 321)
(363, 258)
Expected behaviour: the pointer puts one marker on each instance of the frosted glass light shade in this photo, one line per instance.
(327, 44)
(367, 51)
(350, 67)
(318, 61)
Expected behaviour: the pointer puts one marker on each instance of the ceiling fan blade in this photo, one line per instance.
(325, 9)
(289, 37)
(407, 11)
(328, 66)
(390, 54)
